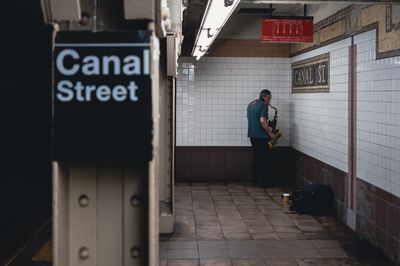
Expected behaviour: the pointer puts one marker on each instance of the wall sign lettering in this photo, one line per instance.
(102, 96)
(287, 29)
(311, 75)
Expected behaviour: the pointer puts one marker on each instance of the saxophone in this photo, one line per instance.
(272, 125)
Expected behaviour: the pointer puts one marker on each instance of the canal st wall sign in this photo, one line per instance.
(311, 75)
(102, 97)
(287, 29)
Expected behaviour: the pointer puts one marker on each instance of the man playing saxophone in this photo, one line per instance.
(259, 132)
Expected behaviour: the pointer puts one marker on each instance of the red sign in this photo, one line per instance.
(287, 30)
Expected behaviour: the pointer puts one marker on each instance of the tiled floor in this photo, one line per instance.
(238, 224)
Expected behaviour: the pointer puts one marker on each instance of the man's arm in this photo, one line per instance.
(264, 124)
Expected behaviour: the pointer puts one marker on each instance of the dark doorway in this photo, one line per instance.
(25, 84)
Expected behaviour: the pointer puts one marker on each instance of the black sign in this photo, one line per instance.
(102, 96)
(311, 75)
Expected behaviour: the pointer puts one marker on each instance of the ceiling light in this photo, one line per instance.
(215, 16)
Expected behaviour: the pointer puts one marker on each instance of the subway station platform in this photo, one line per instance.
(239, 224)
(128, 131)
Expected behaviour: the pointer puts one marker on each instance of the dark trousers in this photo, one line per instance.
(260, 166)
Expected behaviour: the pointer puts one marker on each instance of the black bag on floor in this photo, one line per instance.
(313, 199)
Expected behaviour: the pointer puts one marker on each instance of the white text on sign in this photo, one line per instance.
(70, 63)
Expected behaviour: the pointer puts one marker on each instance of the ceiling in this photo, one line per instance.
(319, 9)
(195, 8)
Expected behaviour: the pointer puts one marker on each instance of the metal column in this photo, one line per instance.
(107, 213)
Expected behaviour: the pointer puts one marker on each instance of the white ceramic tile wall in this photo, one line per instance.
(213, 94)
(378, 116)
(319, 121)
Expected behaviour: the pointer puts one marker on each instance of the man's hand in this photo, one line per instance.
(272, 136)
(264, 124)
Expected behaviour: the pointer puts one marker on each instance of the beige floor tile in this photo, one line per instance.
(172, 245)
(210, 236)
(333, 253)
(298, 244)
(280, 262)
(313, 262)
(233, 236)
(265, 236)
(345, 262)
(256, 222)
(292, 236)
(304, 253)
(178, 236)
(231, 222)
(183, 263)
(45, 253)
(260, 229)
(286, 229)
(208, 229)
(215, 262)
(248, 262)
(281, 221)
(183, 254)
(213, 253)
(326, 244)
(234, 229)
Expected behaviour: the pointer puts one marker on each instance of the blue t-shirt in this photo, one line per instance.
(255, 110)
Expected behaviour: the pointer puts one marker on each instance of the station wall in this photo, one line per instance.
(378, 116)
(369, 202)
(321, 149)
(213, 94)
(378, 146)
(319, 121)
(212, 98)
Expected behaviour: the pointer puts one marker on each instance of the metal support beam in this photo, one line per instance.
(100, 214)
(75, 14)
(61, 10)
(176, 15)
(140, 9)
(107, 213)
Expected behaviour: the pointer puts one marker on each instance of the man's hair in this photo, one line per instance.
(264, 93)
